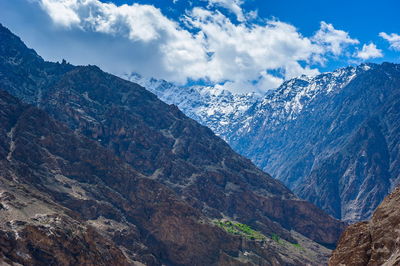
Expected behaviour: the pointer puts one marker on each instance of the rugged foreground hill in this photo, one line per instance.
(126, 200)
(333, 139)
(375, 242)
(65, 200)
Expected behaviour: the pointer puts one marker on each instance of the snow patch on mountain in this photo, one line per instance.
(211, 106)
(228, 113)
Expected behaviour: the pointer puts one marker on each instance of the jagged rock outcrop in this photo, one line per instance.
(375, 242)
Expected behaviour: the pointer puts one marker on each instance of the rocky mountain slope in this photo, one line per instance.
(375, 242)
(65, 200)
(332, 139)
(163, 146)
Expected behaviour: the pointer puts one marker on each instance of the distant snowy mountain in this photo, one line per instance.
(211, 106)
(222, 110)
(318, 134)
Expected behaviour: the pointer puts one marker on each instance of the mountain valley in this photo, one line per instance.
(148, 180)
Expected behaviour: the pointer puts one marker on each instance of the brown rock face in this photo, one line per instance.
(99, 188)
(66, 200)
(375, 242)
(66, 244)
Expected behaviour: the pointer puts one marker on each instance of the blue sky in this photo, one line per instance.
(240, 45)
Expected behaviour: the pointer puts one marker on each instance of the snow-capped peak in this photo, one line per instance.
(224, 111)
(212, 106)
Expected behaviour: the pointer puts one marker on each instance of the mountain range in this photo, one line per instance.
(332, 139)
(96, 170)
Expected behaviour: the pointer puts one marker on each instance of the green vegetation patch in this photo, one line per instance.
(298, 246)
(246, 231)
(277, 239)
(236, 228)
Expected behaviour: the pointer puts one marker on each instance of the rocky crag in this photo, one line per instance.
(374, 242)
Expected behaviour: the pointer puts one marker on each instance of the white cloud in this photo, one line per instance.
(333, 40)
(207, 45)
(393, 39)
(233, 5)
(243, 53)
(369, 51)
(180, 51)
(61, 11)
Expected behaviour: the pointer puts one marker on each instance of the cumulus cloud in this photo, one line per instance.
(393, 39)
(369, 51)
(179, 50)
(233, 5)
(244, 54)
(333, 40)
(61, 12)
(204, 45)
